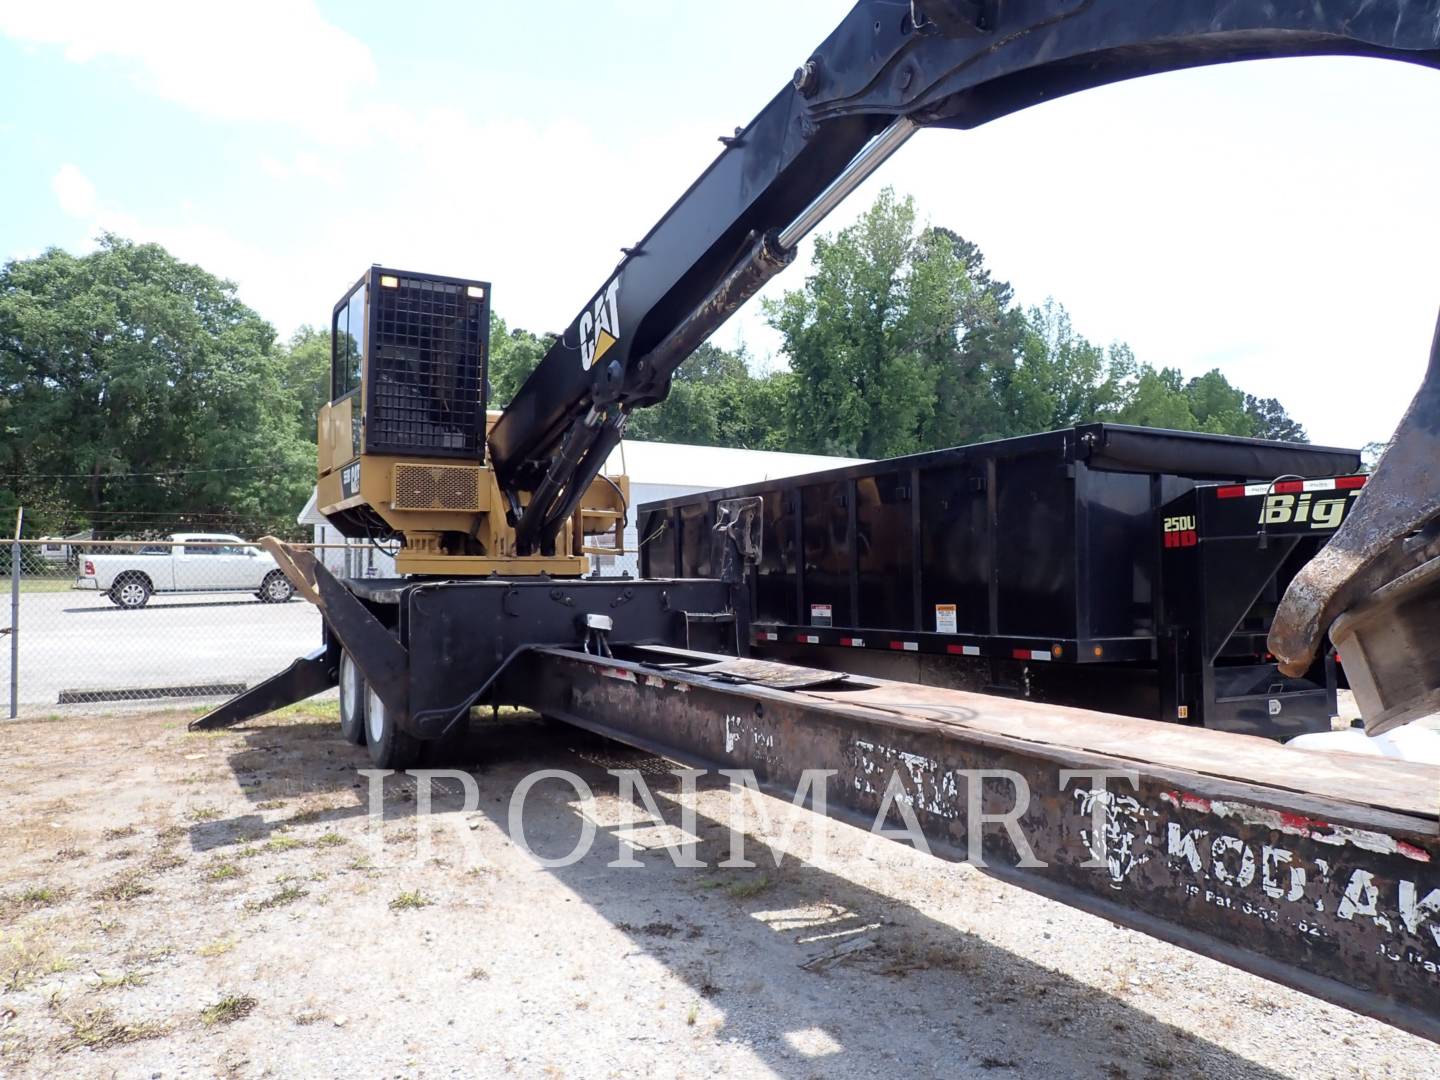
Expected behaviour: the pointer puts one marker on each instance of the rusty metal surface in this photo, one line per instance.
(1363, 784)
(1391, 650)
(770, 673)
(298, 566)
(1331, 897)
(1370, 548)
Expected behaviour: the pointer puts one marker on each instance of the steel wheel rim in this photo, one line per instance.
(374, 716)
(131, 593)
(276, 588)
(350, 688)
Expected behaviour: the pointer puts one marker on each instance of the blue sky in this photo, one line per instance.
(1276, 220)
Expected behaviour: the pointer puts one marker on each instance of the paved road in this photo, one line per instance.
(78, 640)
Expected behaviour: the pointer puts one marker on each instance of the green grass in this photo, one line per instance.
(41, 584)
(222, 872)
(164, 860)
(126, 888)
(319, 710)
(288, 895)
(97, 1028)
(744, 890)
(408, 901)
(41, 896)
(121, 981)
(228, 1009)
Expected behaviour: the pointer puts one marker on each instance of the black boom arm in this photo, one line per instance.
(889, 68)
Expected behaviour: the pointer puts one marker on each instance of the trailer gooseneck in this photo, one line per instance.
(1313, 870)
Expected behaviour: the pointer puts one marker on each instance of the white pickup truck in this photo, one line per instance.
(189, 562)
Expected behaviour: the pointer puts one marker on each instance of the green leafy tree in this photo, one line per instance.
(305, 376)
(870, 333)
(513, 355)
(138, 389)
(901, 339)
(968, 402)
(1271, 421)
(1157, 399)
(1061, 378)
(716, 401)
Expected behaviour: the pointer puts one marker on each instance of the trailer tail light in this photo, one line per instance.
(89, 568)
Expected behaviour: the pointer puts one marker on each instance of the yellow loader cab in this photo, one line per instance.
(402, 443)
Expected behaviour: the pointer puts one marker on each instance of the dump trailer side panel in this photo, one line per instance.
(1018, 557)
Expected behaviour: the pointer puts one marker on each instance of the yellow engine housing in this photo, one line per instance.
(424, 500)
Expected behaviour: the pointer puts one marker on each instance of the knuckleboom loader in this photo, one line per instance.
(497, 507)
(494, 602)
(402, 440)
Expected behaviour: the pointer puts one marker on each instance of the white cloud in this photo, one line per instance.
(272, 61)
(74, 191)
(306, 164)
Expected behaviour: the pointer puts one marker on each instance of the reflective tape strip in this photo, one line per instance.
(1291, 487)
(905, 646)
(963, 650)
(853, 642)
(1029, 654)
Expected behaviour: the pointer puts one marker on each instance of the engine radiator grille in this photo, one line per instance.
(436, 487)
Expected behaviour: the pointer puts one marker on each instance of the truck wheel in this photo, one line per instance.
(130, 591)
(352, 701)
(276, 588)
(390, 748)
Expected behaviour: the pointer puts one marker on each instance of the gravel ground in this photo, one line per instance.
(221, 905)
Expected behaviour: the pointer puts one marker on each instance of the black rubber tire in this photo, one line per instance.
(390, 748)
(352, 702)
(130, 591)
(276, 588)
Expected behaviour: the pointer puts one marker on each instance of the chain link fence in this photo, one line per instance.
(93, 624)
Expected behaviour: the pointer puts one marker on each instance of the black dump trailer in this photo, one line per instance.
(1127, 569)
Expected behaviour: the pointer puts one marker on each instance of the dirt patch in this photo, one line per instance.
(202, 905)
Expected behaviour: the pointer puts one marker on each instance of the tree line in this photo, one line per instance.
(139, 394)
(900, 340)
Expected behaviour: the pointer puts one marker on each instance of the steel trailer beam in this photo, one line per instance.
(1230, 846)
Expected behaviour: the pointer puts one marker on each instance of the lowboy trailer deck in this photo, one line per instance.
(1317, 870)
(1320, 871)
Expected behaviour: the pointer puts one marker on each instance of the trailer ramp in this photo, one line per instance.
(1311, 869)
